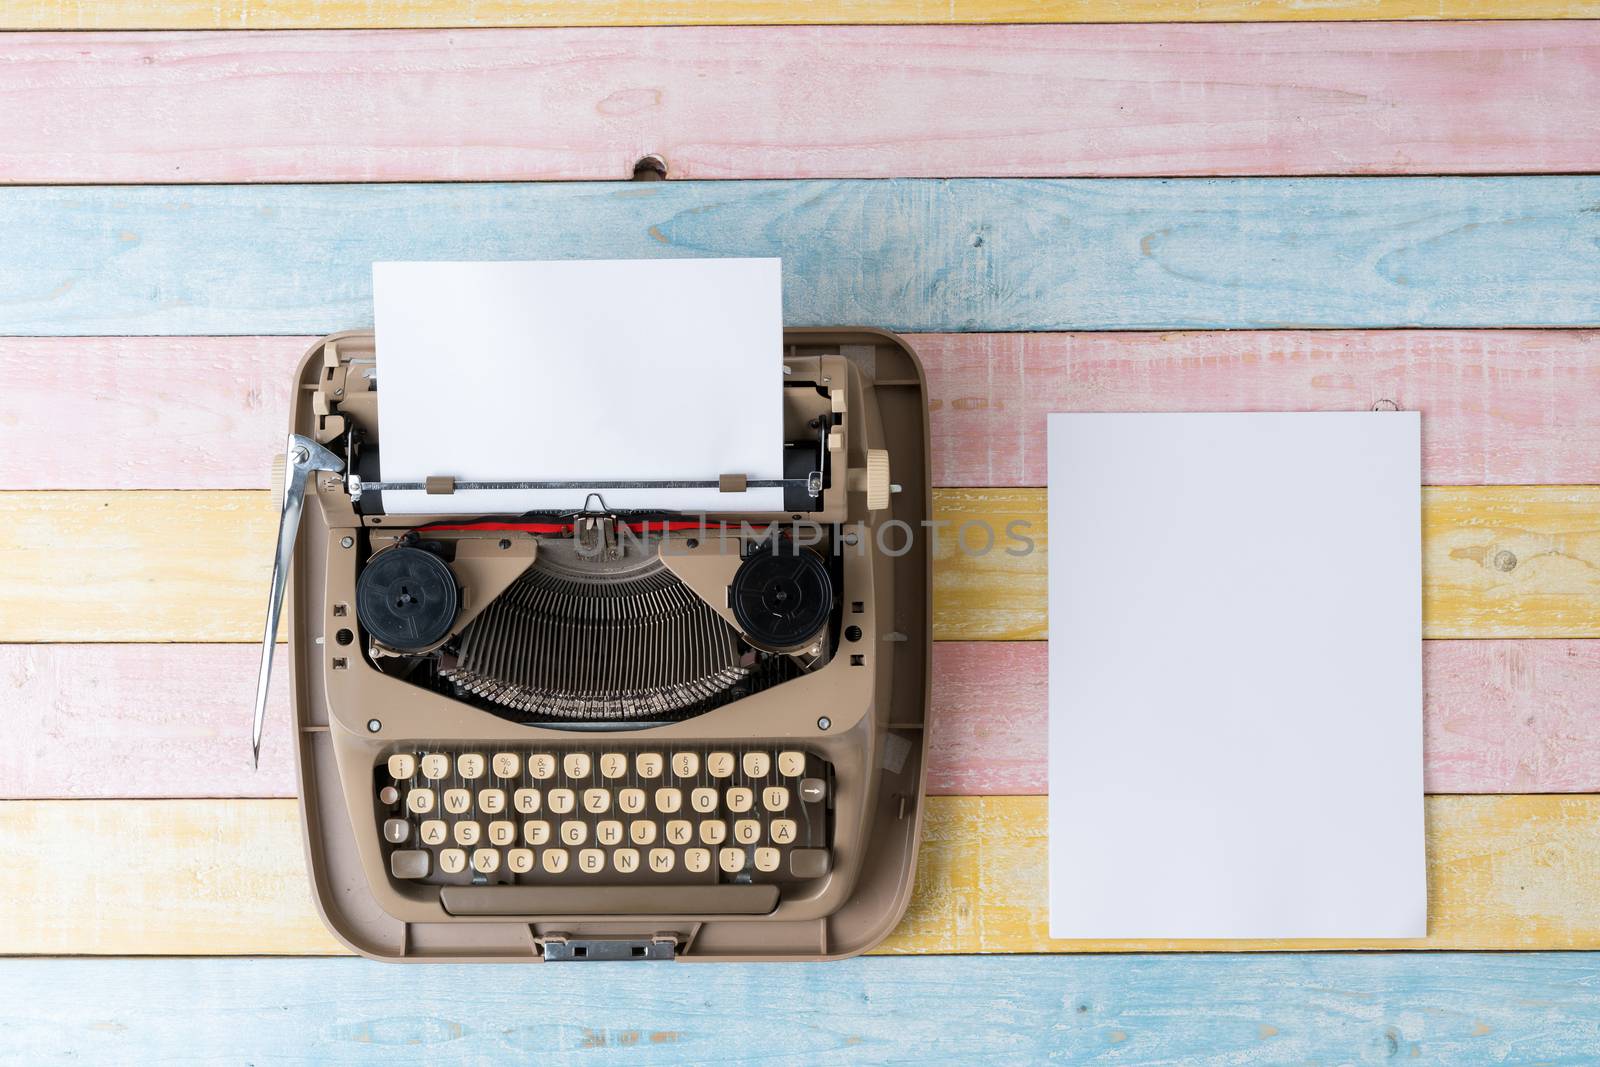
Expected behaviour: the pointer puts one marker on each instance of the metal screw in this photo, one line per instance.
(338, 392)
(347, 542)
(1505, 560)
(824, 722)
(299, 455)
(373, 726)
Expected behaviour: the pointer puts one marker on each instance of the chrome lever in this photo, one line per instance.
(301, 458)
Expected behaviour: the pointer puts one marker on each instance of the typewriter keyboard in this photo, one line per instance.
(607, 816)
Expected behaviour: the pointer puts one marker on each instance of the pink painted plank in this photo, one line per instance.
(1501, 406)
(127, 720)
(795, 102)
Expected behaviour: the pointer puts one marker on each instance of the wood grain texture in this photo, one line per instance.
(1499, 406)
(965, 255)
(1498, 561)
(1203, 1011)
(840, 102)
(226, 877)
(82, 721)
(384, 14)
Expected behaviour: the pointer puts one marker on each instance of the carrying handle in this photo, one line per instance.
(301, 457)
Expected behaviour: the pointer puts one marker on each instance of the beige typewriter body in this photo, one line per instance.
(775, 820)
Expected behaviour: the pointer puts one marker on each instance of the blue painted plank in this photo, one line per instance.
(1454, 1008)
(975, 254)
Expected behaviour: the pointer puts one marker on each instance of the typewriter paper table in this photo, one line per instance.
(147, 327)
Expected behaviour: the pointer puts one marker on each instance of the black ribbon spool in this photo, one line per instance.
(781, 596)
(406, 598)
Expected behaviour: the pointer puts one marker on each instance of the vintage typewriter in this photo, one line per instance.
(604, 735)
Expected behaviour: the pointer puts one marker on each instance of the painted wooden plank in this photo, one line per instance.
(840, 102)
(1205, 1011)
(966, 255)
(391, 14)
(1498, 561)
(1499, 406)
(226, 877)
(82, 721)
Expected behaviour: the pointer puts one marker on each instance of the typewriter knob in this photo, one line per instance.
(873, 479)
(407, 598)
(280, 463)
(781, 596)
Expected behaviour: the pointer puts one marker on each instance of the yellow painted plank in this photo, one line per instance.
(226, 877)
(1499, 561)
(378, 14)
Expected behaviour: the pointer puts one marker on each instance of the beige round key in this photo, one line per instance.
(631, 801)
(668, 800)
(419, 801)
(470, 765)
(625, 860)
(720, 764)
(697, 860)
(685, 764)
(468, 833)
(703, 800)
(457, 801)
(747, 831)
(574, 832)
(731, 860)
(491, 801)
(502, 832)
(775, 798)
(766, 860)
(486, 860)
(613, 764)
(434, 832)
(527, 801)
(506, 764)
(576, 764)
(519, 860)
(642, 832)
(791, 764)
(596, 801)
(542, 765)
(591, 861)
(452, 860)
(561, 800)
(713, 832)
(608, 832)
(435, 766)
(553, 860)
(757, 764)
(402, 765)
(679, 831)
(648, 764)
(662, 860)
(740, 799)
(536, 832)
(783, 831)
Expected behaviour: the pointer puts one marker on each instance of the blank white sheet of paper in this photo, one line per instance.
(598, 370)
(1236, 676)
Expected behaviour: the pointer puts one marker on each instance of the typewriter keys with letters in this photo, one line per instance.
(607, 735)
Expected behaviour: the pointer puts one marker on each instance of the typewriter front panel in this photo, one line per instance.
(646, 748)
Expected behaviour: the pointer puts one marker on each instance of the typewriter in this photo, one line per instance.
(605, 735)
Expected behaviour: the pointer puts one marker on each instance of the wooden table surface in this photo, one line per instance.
(1129, 205)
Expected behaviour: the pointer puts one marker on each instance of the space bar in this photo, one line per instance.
(609, 899)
